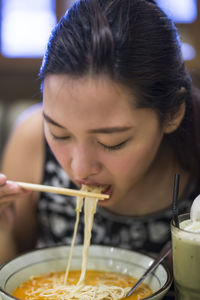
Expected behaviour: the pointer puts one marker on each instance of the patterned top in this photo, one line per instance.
(56, 215)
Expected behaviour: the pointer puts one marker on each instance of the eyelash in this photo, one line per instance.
(59, 138)
(115, 147)
(107, 148)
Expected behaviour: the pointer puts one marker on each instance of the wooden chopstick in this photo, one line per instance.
(58, 190)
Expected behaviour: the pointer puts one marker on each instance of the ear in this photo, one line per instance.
(174, 119)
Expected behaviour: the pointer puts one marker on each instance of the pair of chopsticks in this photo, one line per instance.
(58, 190)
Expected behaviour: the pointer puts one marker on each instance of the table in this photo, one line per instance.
(170, 295)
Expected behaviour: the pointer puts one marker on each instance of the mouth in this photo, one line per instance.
(106, 188)
(107, 191)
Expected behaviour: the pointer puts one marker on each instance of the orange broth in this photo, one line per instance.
(92, 278)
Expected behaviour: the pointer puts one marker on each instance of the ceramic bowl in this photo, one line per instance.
(45, 260)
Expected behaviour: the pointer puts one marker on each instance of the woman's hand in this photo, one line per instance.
(9, 194)
(7, 220)
(9, 191)
(7, 241)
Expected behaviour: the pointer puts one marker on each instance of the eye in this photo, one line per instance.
(59, 138)
(113, 147)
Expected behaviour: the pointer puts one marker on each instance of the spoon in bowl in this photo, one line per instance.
(163, 253)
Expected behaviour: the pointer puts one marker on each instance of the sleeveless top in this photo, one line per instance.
(56, 216)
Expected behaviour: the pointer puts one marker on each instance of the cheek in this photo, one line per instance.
(144, 156)
(136, 161)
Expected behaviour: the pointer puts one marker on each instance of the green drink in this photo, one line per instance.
(186, 258)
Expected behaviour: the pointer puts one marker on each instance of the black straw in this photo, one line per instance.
(175, 198)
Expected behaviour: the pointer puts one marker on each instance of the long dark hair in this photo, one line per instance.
(136, 44)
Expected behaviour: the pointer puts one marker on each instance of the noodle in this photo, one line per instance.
(79, 204)
(86, 292)
(99, 285)
(90, 206)
(53, 288)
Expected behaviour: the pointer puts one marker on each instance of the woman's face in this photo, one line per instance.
(97, 135)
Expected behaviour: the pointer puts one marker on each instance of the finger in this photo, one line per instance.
(7, 215)
(2, 179)
(10, 188)
(7, 189)
(3, 204)
(22, 187)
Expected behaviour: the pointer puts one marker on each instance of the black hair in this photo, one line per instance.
(135, 44)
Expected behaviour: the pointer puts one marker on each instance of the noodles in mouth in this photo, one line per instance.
(90, 206)
(59, 285)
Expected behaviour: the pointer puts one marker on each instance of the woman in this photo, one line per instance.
(118, 111)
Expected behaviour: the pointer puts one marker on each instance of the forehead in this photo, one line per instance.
(62, 85)
(86, 95)
(81, 105)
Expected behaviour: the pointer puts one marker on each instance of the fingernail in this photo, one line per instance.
(2, 177)
(13, 187)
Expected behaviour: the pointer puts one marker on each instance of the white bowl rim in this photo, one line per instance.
(167, 270)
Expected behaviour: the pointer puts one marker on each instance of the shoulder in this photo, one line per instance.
(23, 154)
(29, 125)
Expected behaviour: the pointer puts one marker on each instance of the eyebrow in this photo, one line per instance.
(110, 129)
(105, 130)
(51, 121)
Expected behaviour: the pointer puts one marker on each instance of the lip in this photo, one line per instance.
(108, 188)
(89, 183)
(107, 191)
(79, 183)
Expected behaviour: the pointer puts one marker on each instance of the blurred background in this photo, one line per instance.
(25, 26)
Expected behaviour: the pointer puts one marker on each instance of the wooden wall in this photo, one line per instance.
(19, 77)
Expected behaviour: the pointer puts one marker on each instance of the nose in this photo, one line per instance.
(85, 163)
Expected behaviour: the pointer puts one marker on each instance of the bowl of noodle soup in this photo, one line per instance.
(101, 258)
